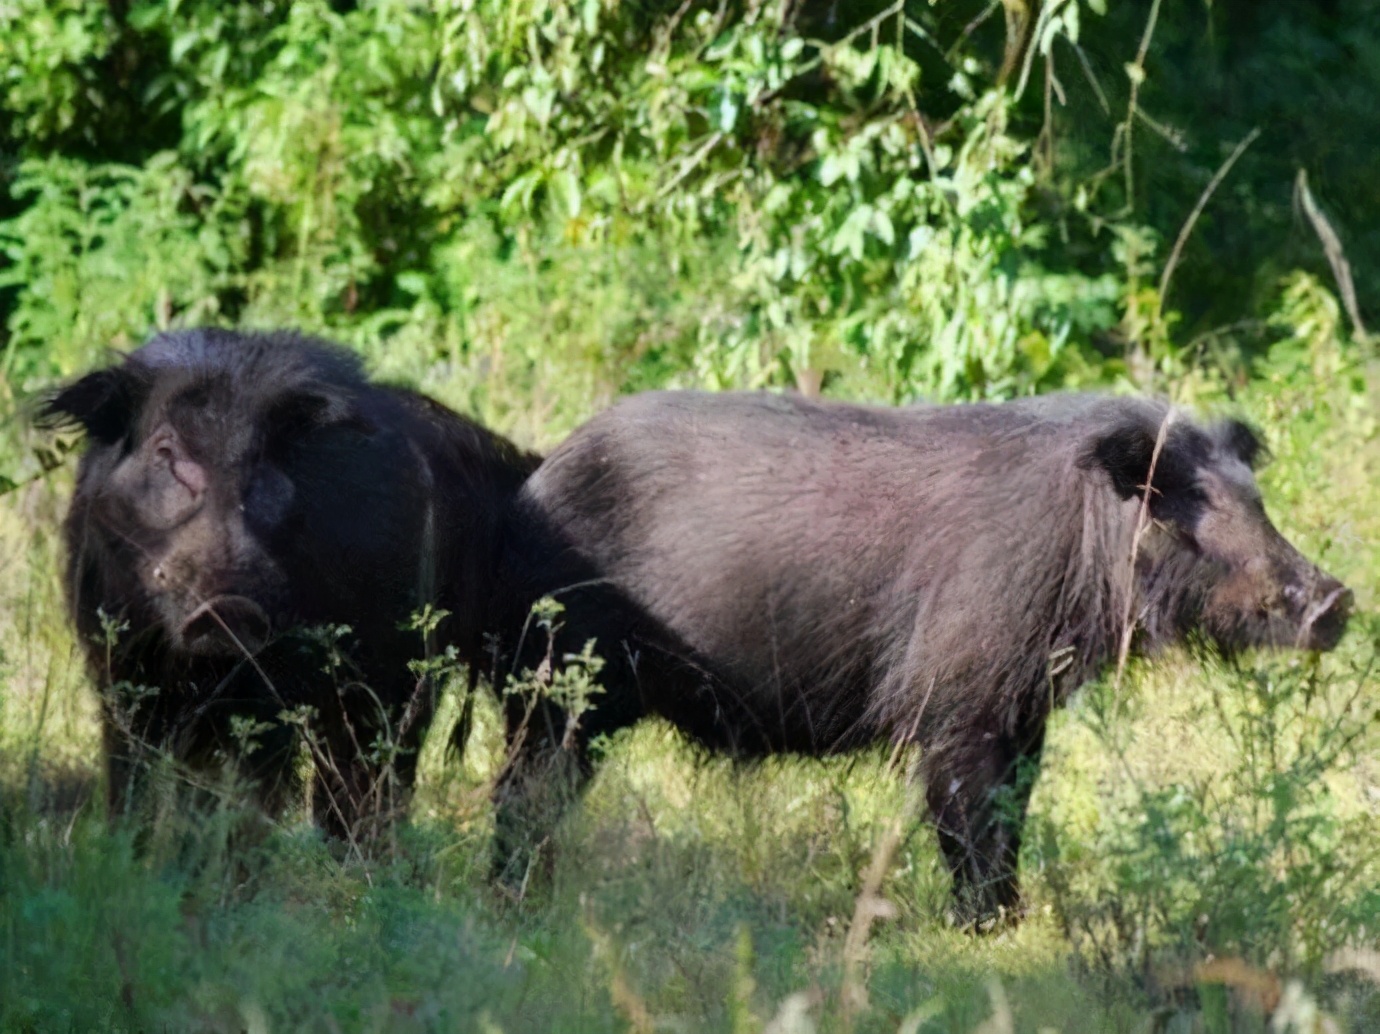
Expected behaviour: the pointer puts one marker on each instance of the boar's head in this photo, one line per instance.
(1213, 561)
(219, 472)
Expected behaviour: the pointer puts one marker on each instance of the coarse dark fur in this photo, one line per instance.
(829, 576)
(242, 497)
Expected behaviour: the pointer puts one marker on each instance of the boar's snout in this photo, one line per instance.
(226, 625)
(1325, 610)
(1279, 604)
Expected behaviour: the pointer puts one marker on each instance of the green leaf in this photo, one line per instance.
(565, 192)
(882, 228)
(831, 169)
(413, 282)
(1071, 21)
(726, 112)
(849, 237)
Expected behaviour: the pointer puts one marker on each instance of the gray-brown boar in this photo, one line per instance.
(836, 575)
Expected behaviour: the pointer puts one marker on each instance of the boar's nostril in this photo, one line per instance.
(226, 625)
(1337, 601)
(1326, 620)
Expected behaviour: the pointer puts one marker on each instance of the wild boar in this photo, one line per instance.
(253, 526)
(829, 576)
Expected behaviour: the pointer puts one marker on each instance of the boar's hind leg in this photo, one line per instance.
(549, 763)
(977, 786)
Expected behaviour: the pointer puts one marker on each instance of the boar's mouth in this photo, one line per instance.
(226, 626)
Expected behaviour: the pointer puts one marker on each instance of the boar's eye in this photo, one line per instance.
(267, 498)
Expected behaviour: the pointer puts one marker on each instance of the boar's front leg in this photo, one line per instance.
(977, 785)
(547, 767)
(121, 769)
(271, 769)
(366, 756)
(133, 734)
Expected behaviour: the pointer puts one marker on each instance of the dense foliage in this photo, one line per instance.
(918, 198)
(527, 207)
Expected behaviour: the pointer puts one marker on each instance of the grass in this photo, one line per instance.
(1200, 812)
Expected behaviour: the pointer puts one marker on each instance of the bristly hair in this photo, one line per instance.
(280, 353)
(105, 403)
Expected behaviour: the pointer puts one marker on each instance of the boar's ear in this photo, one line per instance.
(1242, 441)
(103, 403)
(1126, 453)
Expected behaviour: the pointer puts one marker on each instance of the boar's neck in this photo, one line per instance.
(1093, 597)
(1170, 585)
(473, 476)
(1102, 590)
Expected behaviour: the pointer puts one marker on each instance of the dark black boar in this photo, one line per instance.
(242, 497)
(835, 575)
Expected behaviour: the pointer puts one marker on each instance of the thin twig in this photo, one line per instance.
(1131, 104)
(1192, 219)
(1332, 248)
(1092, 78)
(1142, 523)
(669, 29)
(914, 728)
(874, 23)
(1017, 22)
(690, 163)
(869, 907)
(1222, 331)
(970, 28)
(1032, 45)
(1168, 134)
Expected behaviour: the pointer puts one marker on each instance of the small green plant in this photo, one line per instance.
(1254, 856)
(570, 682)
(245, 731)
